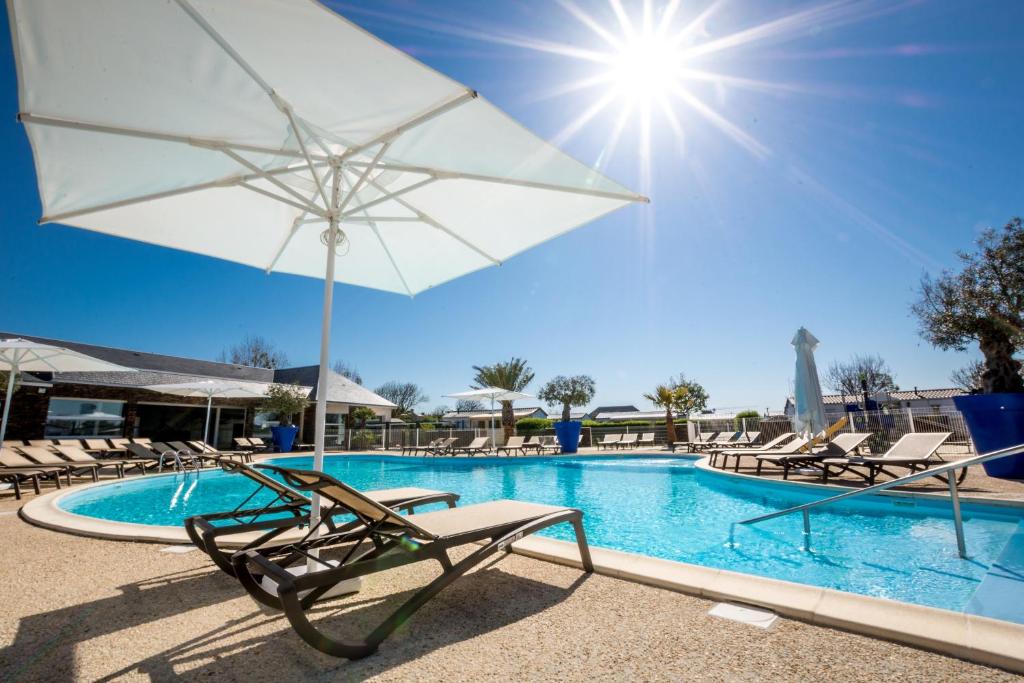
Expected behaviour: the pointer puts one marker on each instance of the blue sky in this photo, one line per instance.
(818, 160)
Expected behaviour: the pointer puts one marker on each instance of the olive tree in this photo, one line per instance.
(983, 302)
(569, 392)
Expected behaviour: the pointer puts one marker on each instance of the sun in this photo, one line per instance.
(646, 67)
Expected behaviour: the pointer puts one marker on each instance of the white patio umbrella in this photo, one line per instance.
(494, 394)
(277, 134)
(210, 388)
(22, 355)
(810, 407)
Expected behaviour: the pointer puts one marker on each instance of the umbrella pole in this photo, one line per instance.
(7, 401)
(206, 427)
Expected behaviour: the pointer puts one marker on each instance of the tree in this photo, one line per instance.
(361, 414)
(570, 392)
(350, 371)
(468, 405)
(255, 352)
(405, 395)
(670, 398)
(513, 375)
(5, 377)
(694, 399)
(983, 303)
(284, 400)
(867, 373)
(969, 377)
(438, 412)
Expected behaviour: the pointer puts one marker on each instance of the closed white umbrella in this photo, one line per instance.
(22, 355)
(810, 407)
(494, 394)
(210, 388)
(277, 134)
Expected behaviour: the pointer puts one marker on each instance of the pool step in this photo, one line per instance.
(1001, 592)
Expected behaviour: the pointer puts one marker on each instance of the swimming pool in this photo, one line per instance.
(890, 547)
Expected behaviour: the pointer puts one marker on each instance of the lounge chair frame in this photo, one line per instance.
(392, 546)
(204, 533)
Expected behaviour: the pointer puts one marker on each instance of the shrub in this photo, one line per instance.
(363, 438)
(532, 424)
(740, 416)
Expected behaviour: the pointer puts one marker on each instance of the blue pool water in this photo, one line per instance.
(665, 507)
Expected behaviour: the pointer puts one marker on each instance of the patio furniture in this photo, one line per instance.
(915, 451)
(691, 446)
(100, 446)
(609, 441)
(433, 443)
(551, 443)
(44, 456)
(534, 443)
(481, 444)
(778, 441)
(77, 455)
(514, 443)
(202, 447)
(794, 447)
(16, 469)
(646, 439)
(841, 446)
(629, 440)
(288, 510)
(397, 540)
(445, 447)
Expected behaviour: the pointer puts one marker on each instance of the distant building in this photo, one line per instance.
(931, 400)
(114, 404)
(481, 419)
(593, 414)
(624, 416)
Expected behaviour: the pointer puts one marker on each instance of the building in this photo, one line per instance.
(114, 404)
(625, 416)
(919, 400)
(593, 414)
(481, 419)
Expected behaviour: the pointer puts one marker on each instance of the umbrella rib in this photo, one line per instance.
(213, 184)
(268, 193)
(384, 246)
(456, 175)
(207, 143)
(299, 221)
(387, 195)
(438, 226)
(259, 171)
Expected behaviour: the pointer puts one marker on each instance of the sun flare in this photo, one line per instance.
(645, 68)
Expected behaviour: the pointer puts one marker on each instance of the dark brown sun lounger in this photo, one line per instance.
(13, 463)
(77, 455)
(394, 541)
(288, 510)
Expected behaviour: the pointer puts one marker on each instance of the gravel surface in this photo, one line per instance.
(85, 609)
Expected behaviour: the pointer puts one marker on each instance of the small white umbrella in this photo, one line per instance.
(209, 388)
(810, 407)
(22, 355)
(494, 394)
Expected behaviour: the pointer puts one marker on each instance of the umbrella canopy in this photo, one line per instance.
(277, 134)
(494, 394)
(22, 355)
(210, 388)
(810, 408)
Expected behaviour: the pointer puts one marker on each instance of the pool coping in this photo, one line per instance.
(966, 636)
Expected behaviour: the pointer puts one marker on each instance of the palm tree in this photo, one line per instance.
(671, 399)
(513, 375)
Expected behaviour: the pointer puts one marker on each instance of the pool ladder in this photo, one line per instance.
(954, 495)
(181, 460)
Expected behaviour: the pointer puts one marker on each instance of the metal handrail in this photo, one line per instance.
(915, 476)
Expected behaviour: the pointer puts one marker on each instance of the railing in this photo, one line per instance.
(935, 471)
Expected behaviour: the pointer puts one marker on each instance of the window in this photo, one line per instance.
(262, 422)
(84, 417)
(334, 430)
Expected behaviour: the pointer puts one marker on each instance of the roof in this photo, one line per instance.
(151, 361)
(480, 414)
(631, 415)
(155, 368)
(340, 389)
(911, 395)
(614, 409)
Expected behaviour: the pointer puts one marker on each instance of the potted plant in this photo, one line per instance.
(284, 401)
(569, 392)
(984, 303)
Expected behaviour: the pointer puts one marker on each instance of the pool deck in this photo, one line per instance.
(518, 617)
(83, 609)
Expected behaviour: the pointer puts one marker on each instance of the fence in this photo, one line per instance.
(885, 426)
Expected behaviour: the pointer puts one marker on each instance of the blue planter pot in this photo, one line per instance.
(996, 421)
(568, 434)
(283, 437)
